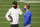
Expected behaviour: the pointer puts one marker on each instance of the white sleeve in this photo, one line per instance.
(20, 12)
(8, 13)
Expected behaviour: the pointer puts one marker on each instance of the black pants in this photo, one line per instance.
(14, 25)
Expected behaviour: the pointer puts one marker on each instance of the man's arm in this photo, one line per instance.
(8, 13)
(19, 11)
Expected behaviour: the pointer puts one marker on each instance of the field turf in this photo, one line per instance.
(5, 5)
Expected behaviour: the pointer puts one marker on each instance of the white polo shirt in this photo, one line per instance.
(14, 13)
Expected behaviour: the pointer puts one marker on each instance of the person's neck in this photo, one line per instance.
(27, 9)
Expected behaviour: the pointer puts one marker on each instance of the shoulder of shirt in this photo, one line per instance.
(28, 12)
(11, 8)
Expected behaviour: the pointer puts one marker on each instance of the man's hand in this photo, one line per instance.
(17, 6)
(24, 6)
(10, 18)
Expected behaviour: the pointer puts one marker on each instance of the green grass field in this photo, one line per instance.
(5, 5)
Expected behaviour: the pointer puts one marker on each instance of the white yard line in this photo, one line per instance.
(5, 5)
(22, 17)
(21, 22)
(23, 13)
(33, 22)
(5, 2)
(35, 12)
(20, 5)
(21, 8)
(29, 1)
(24, 1)
(4, 22)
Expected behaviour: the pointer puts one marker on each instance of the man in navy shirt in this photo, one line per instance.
(27, 16)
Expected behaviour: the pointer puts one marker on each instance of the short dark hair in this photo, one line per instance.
(28, 5)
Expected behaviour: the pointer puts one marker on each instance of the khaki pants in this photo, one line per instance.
(29, 25)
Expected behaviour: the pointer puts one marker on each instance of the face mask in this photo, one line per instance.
(15, 7)
(25, 9)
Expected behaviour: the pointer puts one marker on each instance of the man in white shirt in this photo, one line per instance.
(13, 15)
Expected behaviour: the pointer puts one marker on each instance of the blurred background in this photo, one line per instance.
(5, 5)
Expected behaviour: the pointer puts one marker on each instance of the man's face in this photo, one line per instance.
(14, 5)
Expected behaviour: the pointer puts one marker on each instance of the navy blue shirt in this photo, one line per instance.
(27, 18)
